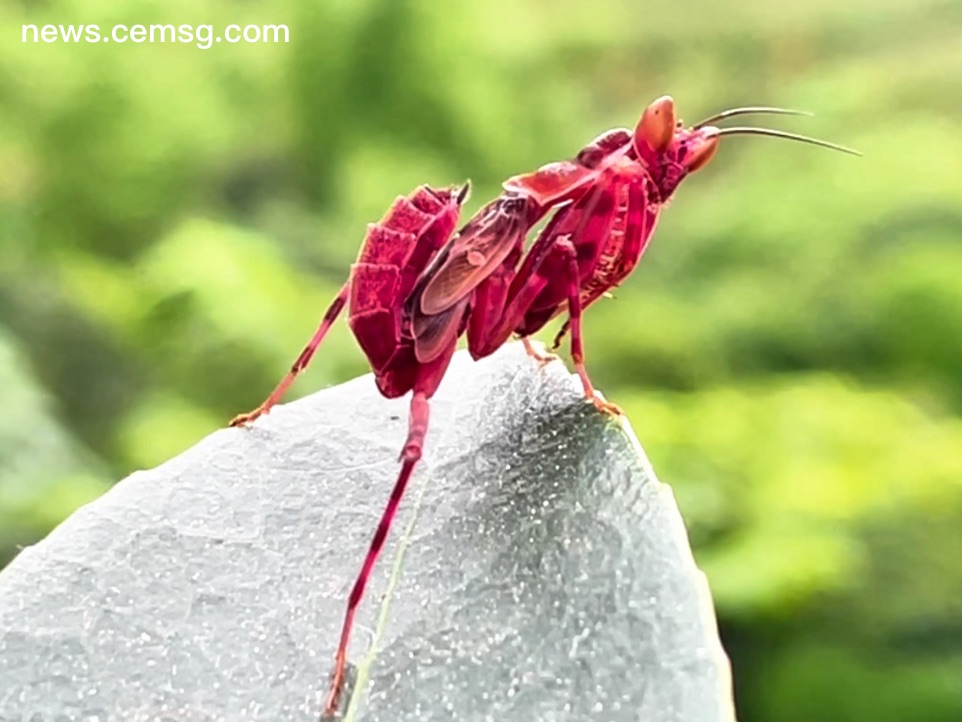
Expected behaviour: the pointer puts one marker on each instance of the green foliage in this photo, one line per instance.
(173, 221)
(44, 473)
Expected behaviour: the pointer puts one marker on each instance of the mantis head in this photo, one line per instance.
(671, 151)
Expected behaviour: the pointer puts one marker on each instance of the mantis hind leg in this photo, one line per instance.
(301, 362)
(427, 380)
(410, 455)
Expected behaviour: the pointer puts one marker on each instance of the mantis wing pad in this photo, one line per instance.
(475, 253)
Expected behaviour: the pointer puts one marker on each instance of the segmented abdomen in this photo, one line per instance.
(394, 253)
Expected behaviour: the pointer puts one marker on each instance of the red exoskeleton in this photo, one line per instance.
(415, 289)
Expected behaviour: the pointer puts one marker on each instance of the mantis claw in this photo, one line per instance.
(248, 418)
(606, 407)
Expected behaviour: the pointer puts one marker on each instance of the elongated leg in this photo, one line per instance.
(574, 317)
(541, 358)
(417, 428)
(302, 361)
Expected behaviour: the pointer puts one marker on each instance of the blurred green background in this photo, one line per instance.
(174, 221)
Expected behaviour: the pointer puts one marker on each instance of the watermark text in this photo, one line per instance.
(203, 36)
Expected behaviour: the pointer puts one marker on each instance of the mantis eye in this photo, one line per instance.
(657, 125)
(701, 150)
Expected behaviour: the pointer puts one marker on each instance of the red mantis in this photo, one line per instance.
(415, 289)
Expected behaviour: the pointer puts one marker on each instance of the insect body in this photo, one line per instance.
(416, 288)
